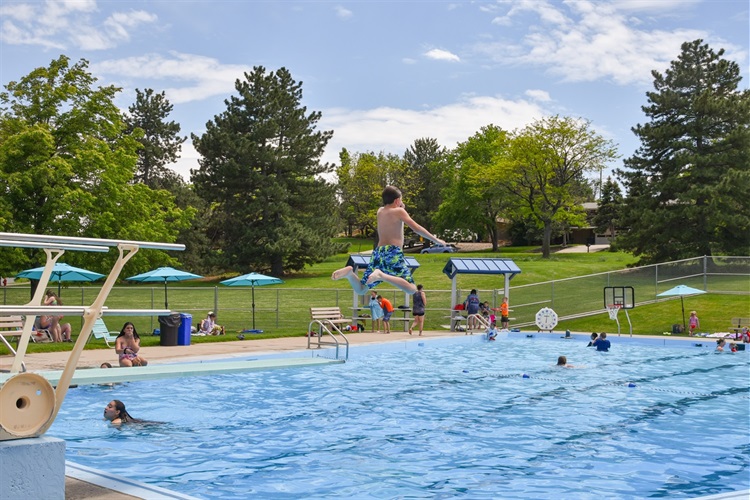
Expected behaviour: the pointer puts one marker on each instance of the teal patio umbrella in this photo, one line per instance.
(681, 291)
(252, 280)
(61, 272)
(165, 275)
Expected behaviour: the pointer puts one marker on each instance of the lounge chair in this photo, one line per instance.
(100, 331)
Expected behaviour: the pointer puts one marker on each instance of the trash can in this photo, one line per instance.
(183, 332)
(168, 326)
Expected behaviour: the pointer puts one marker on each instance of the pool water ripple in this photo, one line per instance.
(448, 421)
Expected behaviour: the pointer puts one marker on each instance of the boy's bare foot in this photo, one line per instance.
(342, 273)
(376, 275)
(409, 331)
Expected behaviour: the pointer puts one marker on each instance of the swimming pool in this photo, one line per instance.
(446, 419)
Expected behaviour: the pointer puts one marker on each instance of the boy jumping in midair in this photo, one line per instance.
(387, 262)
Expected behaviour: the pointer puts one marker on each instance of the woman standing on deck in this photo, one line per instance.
(420, 301)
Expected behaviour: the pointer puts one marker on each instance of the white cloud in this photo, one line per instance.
(588, 41)
(442, 55)
(203, 76)
(393, 130)
(119, 24)
(188, 159)
(61, 23)
(343, 12)
(538, 95)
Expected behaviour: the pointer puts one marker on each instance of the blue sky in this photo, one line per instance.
(383, 73)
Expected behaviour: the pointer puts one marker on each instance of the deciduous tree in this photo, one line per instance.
(546, 171)
(688, 184)
(66, 167)
(475, 200)
(361, 179)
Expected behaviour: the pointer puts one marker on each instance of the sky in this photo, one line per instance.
(383, 73)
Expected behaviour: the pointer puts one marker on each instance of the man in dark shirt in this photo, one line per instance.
(602, 344)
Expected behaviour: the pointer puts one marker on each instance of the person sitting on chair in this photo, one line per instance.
(209, 326)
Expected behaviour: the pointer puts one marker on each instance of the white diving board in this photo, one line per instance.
(90, 376)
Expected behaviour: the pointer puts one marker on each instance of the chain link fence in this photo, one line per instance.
(288, 309)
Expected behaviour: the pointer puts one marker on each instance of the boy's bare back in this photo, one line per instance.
(391, 219)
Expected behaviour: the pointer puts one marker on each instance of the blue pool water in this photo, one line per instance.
(442, 420)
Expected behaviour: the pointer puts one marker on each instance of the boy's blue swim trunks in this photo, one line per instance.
(389, 259)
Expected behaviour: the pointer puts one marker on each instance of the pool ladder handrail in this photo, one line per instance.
(483, 323)
(330, 328)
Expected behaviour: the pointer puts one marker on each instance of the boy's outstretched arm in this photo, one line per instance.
(419, 229)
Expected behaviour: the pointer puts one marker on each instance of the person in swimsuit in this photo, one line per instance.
(376, 311)
(116, 413)
(417, 310)
(562, 362)
(128, 346)
(388, 262)
(504, 313)
(693, 323)
(60, 332)
(492, 331)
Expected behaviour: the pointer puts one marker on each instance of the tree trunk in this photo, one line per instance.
(546, 239)
(277, 266)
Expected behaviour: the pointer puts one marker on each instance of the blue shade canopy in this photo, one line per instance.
(358, 260)
(164, 275)
(252, 280)
(61, 272)
(680, 290)
(457, 265)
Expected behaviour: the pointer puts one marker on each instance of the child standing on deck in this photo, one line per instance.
(387, 262)
(693, 323)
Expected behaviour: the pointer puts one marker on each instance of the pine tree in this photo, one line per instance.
(427, 178)
(271, 209)
(688, 184)
(161, 141)
(610, 208)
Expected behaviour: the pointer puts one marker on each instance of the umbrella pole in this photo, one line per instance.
(253, 287)
(166, 302)
(684, 325)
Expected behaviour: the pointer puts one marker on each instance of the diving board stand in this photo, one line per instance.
(29, 402)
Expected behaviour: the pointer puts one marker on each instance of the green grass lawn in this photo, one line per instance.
(283, 310)
(714, 312)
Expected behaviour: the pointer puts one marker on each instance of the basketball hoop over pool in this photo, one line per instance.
(613, 309)
(616, 298)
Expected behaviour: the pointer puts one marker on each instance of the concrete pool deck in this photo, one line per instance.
(78, 488)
